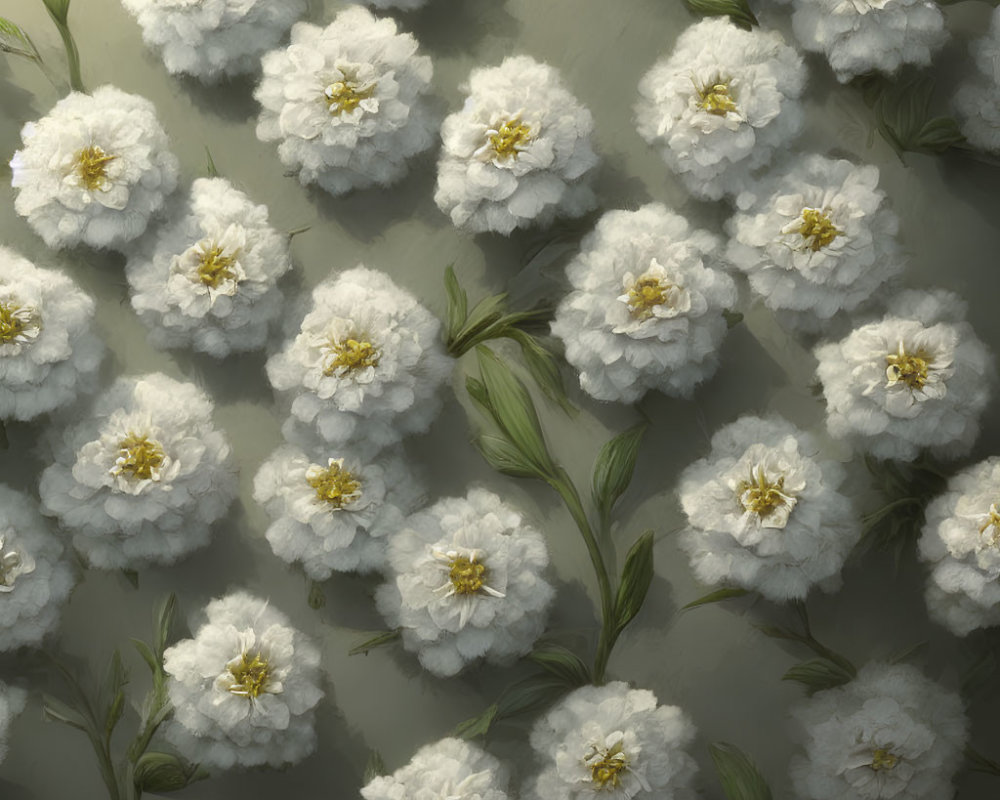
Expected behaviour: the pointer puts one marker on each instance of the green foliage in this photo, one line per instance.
(374, 768)
(561, 663)
(614, 468)
(977, 762)
(818, 674)
(15, 41)
(637, 574)
(739, 776)
(903, 115)
(380, 639)
(165, 772)
(737, 10)
(716, 597)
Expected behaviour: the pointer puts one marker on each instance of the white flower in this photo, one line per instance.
(244, 688)
(208, 279)
(862, 36)
(450, 769)
(721, 104)
(141, 478)
(646, 307)
(49, 353)
(978, 105)
(986, 50)
(35, 576)
(94, 170)
(765, 513)
(961, 544)
(816, 238)
(366, 366)
(213, 39)
(12, 702)
(612, 742)
(466, 580)
(402, 5)
(346, 102)
(518, 152)
(917, 379)
(889, 733)
(334, 513)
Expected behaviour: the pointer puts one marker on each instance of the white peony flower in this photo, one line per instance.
(208, 279)
(450, 769)
(863, 36)
(347, 102)
(35, 576)
(889, 733)
(213, 39)
(334, 513)
(612, 742)
(986, 50)
(721, 104)
(141, 478)
(49, 353)
(978, 105)
(518, 152)
(765, 513)
(961, 544)
(244, 689)
(646, 307)
(366, 366)
(917, 379)
(465, 580)
(816, 238)
(12, 702)
(94, 170)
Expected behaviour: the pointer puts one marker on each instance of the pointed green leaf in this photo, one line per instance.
(737, 10)
(385, 637)
(637, 574)
(458, 303)
(938, 134)
(561, 663)
(59, 9)
(476, 726)
(162, 772)
(477, 391)
(374, 768)
(614, 468)
(15, 41)
(818, 674)
(716, 597)
(543, 367)
(210, 169)
(739, 776)
(979, 763)
(112, 696)
(532, 694)
(58, 711)
(163, 620)
(147, 655)
(500, 454)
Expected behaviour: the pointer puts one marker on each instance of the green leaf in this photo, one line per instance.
(57, 711)
(476, 726)
(477, 391)
(147, 655)
(163, 620)
(979, 763)
(59, 9)
(637, 574)
(818, 674)
(210, 169)
(15, 41)
(561, 663)
(614, 468)
(385, 637)
(733, 318)
(316, 598)
(739, 776)
(374, 768)
(500, 454)
(113, 692)
(737, 10)
(543, 367)
(716, 597)
(163, 772)
(938, 134)
(458, 303)
(532, 694)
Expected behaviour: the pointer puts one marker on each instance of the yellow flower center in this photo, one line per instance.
(607, 770)
(216, 267)
(908, 368)
(334, 484)
(761, 496)
(817, 228)
(467, 576)
(992, 521)
(12, 324)
(345, 95)
(509, 138)
(351, 354)
(92, 166)
(138, 456)
(883, 759)
(645, 295)
(717, 99)
(250, 676)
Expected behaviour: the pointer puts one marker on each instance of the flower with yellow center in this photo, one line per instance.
(467, 577)
(817, 229)
(989, 529)
(911, 369)
(505, 139)
(655, 293)
(217, 266)
(13, 563)
(607, 766)
(765, 500)
(346, 95)
(883, 759)
(250, 675)
(91, 167)
(349, 354)
(716, 97)
(139, 459)
(335, 486)
(19, 325)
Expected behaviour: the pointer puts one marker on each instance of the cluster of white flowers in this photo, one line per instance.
(12, 702)
(961, 543)
(615, 742)
(49, 353)
(94, 170)
(917, 379)
(141, 478)
(244, 689)
(213, 39)
(465, 581)
(347, 102)
(862, 36)
(35, 578)
(518, 152)
(765, 513)
(978, 99)
(889, 733)
(450, 768)
(208, 279)
(816, 238)
(721, 104)
(334, 514)
(646, 307)
(365, 367)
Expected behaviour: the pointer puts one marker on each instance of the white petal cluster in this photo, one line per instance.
(12, 702)
(613, 742)
(334, 513)
(244, 689)
(863, 36)
(646, 307)
(213, 39)
(208, 280)
(49, 352)
(141, 478)
(765, 513)
(347, 102)
(365, 367)
(518, 153)
(977, 100)
(35, 577)
(721, 104)
(450, 768)
(402, 5)
(889, 733)
(918, 379)
(816, 238)
(93, 170)
(961, 544)
(465, 581)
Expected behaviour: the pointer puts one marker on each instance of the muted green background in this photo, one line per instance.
(710, 661)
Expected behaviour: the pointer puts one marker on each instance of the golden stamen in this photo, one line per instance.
(883, 759)
(351, 354)
(510, 138)
(216, 267)
(717, 99)
(345, 95)
(12, 324)
(92, 166)
(250, 676)
(759, 495)
(646, 294)
(334, 484)
(139, 456)
(908, 368)
(607, 770)
(467, 575)
(817, 226)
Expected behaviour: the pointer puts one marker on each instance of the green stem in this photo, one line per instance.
(72, 53)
